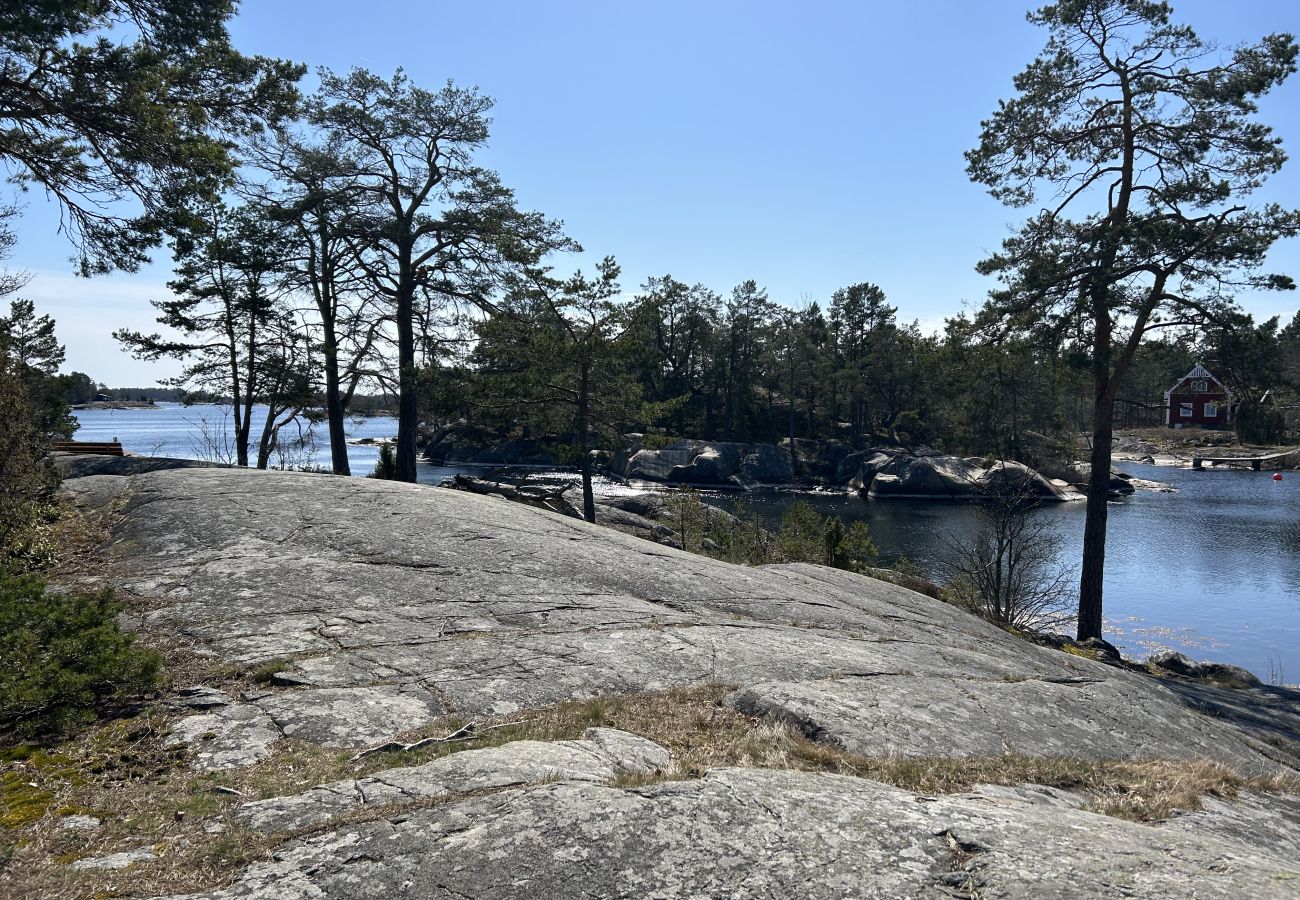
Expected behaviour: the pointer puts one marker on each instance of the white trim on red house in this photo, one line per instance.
(1198, 371)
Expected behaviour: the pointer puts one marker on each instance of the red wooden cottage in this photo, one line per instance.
(1198, 398)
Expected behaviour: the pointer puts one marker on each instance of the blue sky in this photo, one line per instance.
(806, 146)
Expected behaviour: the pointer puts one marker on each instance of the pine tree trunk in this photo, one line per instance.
(794, 459)
(584, 443)
(407, 414)
(1094, 529)
(334, 406)
(241, 439)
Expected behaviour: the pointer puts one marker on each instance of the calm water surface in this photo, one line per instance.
(1213, 570)
(190, 432)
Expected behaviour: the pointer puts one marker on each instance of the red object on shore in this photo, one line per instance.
(1277, 476)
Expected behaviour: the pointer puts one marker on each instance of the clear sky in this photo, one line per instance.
(807, 146)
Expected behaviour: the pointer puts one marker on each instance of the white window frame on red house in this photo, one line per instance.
(1185, 410)
(1212, 409)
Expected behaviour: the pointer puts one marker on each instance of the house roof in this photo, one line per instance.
(1198, 371)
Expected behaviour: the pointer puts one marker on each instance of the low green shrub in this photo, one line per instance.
(386, 465)
(807, 536)
(804, 535)
(63, 658)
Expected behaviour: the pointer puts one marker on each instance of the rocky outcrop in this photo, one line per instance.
(388, 603)
(891, 473)
(707, 464)
(385, 605)
(602, 755)
(457, 445)
(1215, 673)
(693, 463)
(1121, 483)
(760, 833)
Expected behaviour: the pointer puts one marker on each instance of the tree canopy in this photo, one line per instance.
(124, 110)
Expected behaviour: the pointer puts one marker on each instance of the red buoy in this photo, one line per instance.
(1277, 476)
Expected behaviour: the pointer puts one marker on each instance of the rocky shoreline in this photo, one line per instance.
(877, 472)
(1177, 449)
(116, 404)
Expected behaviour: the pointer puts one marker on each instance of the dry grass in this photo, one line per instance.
(121, 773)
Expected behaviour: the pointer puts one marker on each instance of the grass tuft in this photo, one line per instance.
(146, 795)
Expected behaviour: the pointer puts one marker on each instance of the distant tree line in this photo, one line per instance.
(686, 361)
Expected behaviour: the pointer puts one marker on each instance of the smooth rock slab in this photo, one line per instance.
(601, 755)
(756, 833)
(891, 715)
(232, 735)
(351, 717)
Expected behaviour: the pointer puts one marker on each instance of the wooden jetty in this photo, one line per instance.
(102, 448)
(1254, 463)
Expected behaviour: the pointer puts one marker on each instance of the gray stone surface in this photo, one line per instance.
(891, 474)
(1213, 672)
(699, 463)
(351, 716)
(755, 833)
(393, 603)
(879, 715)
(227, 737)
(601, 756)
(80, 465)
(766, 464)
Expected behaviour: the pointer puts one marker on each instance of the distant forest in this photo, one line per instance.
(682, 360)
(685, 361)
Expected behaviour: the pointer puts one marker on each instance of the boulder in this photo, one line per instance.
(766, 464)
(1121, 484)
(1015, 476)
(891, 473)
(879, 461)
(941, 477)
(1106, 651)
(1076, 474)
(1217, 673)
(694, 463)
(713, 465)
(655, 465)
